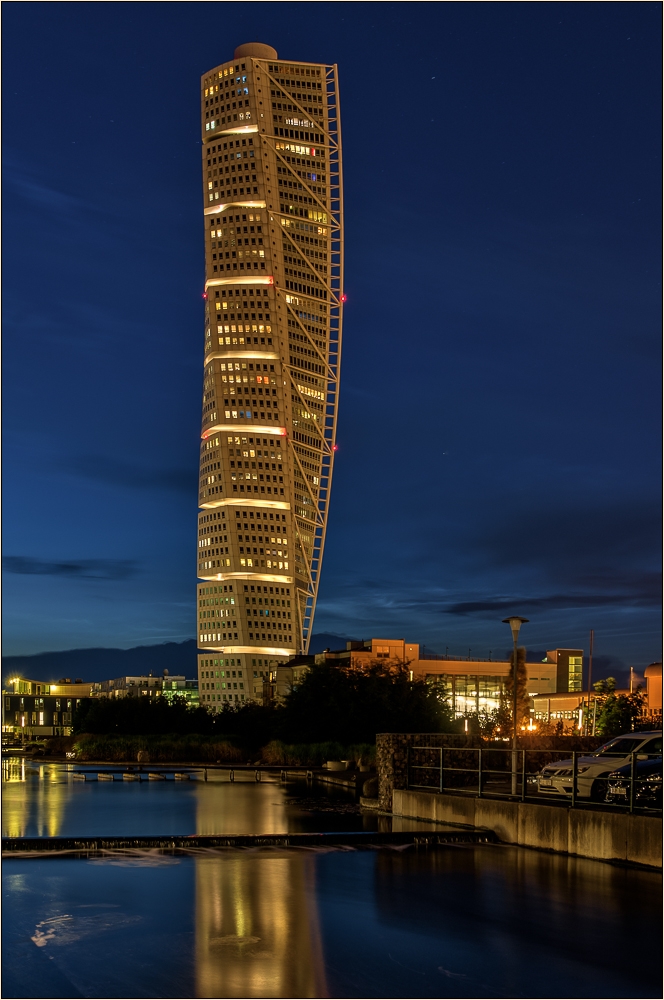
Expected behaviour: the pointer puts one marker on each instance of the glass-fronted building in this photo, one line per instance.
(468, 694)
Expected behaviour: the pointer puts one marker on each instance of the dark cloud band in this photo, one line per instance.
(88, 569)
(554, 602)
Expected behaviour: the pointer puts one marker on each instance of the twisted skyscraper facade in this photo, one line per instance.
(273, 211)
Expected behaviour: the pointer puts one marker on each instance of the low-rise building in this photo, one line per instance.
(148, 686)
(33, 708)
(130, 686)
(177, 686)
(470, 684)
(577, 710)
(653, 678)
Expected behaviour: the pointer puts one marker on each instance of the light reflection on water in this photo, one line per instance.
(461, 922)
(44, 800)
(34, 798)
(257, 928)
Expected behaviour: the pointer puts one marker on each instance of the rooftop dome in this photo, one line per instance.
(255, 49)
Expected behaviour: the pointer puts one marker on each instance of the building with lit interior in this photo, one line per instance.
(469, 685)
(33, 708)
(272, 209)
(41, 708)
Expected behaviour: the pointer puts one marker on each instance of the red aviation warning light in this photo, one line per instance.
(343, 298)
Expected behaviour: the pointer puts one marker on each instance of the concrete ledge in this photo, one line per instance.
(586, 833)
(500, 816)
(644, 840)
(543, 826)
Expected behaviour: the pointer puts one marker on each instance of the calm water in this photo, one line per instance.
(450, 922)
(46, 801)
(480, 921)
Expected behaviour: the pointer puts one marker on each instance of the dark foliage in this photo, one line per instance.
(351, 705)
(250, 725)
(343, 704)
(523, 701)
(618, 713)
(141, 717)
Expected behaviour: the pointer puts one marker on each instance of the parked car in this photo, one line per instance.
(593, 769)
(647, 783)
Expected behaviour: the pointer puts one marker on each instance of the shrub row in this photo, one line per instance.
(164, 749)
(161, 749)
(315, 754)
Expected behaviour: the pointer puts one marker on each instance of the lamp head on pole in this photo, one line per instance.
(515, 623)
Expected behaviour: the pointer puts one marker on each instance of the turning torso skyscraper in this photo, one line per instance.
(273, 215)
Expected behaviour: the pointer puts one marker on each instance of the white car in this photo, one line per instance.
(594, 768)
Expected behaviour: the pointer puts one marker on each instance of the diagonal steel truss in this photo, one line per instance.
(333, 284)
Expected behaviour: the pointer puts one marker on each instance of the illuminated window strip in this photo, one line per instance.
(255, 650)
(234, 130)
(244, 429)
(222, 206)
(236, 502)
(235, 353)
(244, 575)
(212, 282)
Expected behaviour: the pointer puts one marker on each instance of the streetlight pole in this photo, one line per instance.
(515, 623)
(590, 677)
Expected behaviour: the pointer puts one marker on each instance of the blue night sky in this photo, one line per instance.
(500, 400)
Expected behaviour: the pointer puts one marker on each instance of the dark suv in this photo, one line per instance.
(647, 783)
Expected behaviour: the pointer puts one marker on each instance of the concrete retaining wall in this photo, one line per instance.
(587, 833)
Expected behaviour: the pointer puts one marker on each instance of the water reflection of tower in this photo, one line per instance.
(257, 927)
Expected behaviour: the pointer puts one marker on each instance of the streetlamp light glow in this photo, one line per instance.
(515, 622)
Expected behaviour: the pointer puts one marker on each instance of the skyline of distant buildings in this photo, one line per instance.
(471, 686)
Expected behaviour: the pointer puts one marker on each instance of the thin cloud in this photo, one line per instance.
(119, 473)
(86, 569)
(556, 602)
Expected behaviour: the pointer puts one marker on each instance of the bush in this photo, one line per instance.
(60, 744)
(160, 749)
(315, 754)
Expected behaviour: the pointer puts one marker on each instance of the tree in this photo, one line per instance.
(617, 713)
(523, 700)
(141, 717)
(350, 704)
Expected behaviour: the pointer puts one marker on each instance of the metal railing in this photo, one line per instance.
(442, 772)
